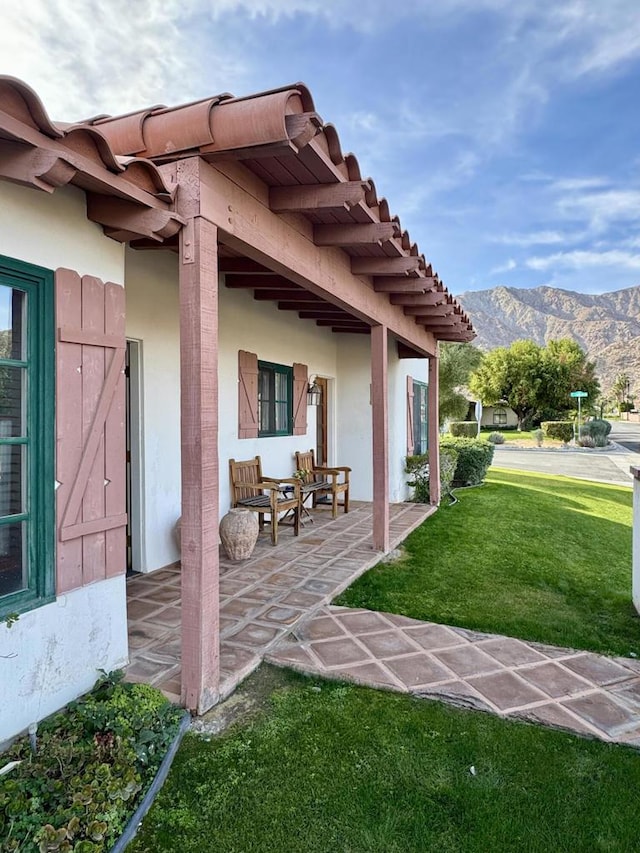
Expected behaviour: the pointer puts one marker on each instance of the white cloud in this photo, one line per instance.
(509, 266)
(534, 238)
(599, 210)
(579, 260)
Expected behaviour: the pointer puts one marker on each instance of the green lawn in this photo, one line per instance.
(527, 555)
(329, 768)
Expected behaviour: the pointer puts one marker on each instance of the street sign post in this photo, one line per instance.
(579, 395)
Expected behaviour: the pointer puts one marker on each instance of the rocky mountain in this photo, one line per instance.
(607, 325)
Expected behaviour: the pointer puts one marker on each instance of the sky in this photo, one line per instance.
(504, 133)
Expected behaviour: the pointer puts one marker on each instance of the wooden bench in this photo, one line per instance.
(320, 480)
(264, 495)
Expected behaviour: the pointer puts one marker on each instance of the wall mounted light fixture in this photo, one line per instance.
(314, 392)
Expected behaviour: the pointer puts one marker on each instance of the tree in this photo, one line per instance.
(536, 382)
(457, 363)
(620, 389)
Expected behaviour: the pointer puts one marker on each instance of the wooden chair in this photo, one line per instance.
(322, 480)
(248, 488)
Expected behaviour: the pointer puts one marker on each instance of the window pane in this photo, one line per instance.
(12, 476)
(13, 558)
(12, 312)
(12, 401)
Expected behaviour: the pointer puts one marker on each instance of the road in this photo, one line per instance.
(604, 467)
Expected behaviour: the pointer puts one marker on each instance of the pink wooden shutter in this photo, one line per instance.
(247, 394)
(300, 384)
(410, 439)
(90, 430)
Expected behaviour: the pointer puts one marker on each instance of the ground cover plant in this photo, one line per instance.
(528, 555)
(327, 767)
(93, 764)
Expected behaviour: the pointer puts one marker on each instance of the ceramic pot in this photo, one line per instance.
(239, 533)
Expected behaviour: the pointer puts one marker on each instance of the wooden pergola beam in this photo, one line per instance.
(243, 265)
(356, 234)
(355, 330)
(322, 314)
(300, 295)
(350, 323)
(260, 281)
(434, 311)
(400, 284)
(431, 323)
(430, 298)
(306, 199)
(385, 266)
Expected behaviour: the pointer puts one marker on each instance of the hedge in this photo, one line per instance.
(598, 430)
(418, 468)
(474, 457)
(562, 430)
(466, 429)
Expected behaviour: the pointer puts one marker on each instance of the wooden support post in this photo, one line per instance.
(434, 432)
(199, 431)
(380, 423)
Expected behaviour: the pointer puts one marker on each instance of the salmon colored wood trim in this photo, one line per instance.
(385, 266)
(403, 284)
(300, 383)
(380, 426)
(198, 273)
(247, 394)
(285, 244)
(98, 525)
(430, 298)
(89, 337)
(68, 424)
(433, 429)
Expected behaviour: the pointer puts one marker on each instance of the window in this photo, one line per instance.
(275, 399)
(499, 417)
(26, 436)
(420, 418)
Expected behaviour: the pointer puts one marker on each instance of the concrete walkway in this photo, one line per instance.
(582, 692)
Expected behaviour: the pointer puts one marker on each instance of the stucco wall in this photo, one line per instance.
(153, 318)
(53, 231)
(53, 654)
(276, 336)
(60, 647)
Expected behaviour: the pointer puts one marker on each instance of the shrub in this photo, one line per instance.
(467, 429)
(598, 430)
(93, 762)
(587, 441)
(495, 438)
(474, 457)
(538, 435)
(562, 430)
(418, 468)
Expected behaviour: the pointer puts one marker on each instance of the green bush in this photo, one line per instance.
(598, 430)
(92, 765)
(418, 468)
(466, 429)
(562, 430)
(474, 457)
(495, 438)
(587, 441)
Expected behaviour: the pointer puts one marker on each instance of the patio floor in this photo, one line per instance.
(261, 599)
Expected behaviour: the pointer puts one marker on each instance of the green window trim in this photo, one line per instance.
(38, 436)
(420, 417)
(275, 399)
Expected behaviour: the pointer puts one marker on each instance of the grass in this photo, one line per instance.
(328, 767)
(528, 555)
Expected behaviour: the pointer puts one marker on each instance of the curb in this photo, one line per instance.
(163, 771)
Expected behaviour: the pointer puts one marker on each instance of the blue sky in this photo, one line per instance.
(505, 133)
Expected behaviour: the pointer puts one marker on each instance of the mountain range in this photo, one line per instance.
(607, 325)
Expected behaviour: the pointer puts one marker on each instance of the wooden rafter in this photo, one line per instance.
(260, 281)
(348, 321)
(300, 295)
(301, 199)
(124, 220)
(243, 265)
(403, 284)
(433, 311)
(385, 266)
(373, 233)
(430, 298)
